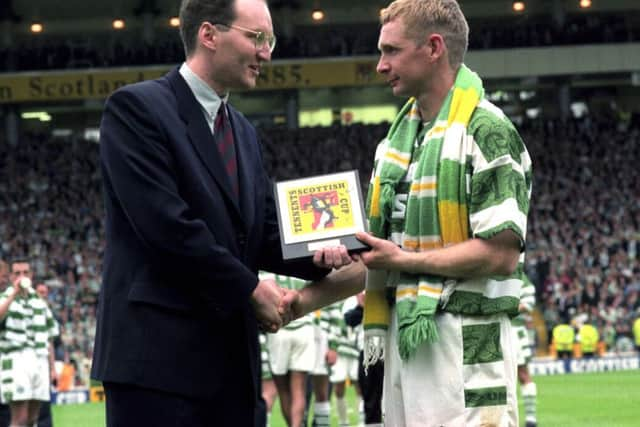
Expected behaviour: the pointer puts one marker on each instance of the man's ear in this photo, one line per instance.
(208, 35)
(436, 45)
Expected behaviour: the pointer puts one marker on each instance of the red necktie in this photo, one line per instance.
(223, 135)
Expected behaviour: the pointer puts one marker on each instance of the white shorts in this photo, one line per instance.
(322, 346)
(264, 358)
(292, 350)
(343, 368)
(467, 378)
(523, 344)
(24, 376)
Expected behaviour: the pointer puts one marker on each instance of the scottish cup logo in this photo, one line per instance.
(318, 208)
(319, 211)
(321, 205)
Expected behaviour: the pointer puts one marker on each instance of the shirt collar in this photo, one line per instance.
(208, 99)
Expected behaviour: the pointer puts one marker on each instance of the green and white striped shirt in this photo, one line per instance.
(29, 323)
(528, 299)
(498, 191)
(323, 318)
(344, 337)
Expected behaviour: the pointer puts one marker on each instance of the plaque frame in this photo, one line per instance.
(320, 211)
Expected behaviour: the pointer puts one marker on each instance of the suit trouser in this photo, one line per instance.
(371, 386)
(133, 406)
(5, 415)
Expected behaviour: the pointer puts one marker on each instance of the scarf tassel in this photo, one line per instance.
(373, 351)
(411, 336)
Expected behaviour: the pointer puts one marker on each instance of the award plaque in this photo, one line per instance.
(319, 211)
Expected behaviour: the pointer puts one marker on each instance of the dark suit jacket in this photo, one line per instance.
(182, 254)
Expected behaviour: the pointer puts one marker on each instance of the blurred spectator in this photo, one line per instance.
(67, 375)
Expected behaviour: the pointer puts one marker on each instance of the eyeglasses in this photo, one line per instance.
(260, 39)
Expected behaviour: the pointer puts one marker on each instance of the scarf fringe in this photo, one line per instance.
(373, 350)
(447, 290)
(410, 337)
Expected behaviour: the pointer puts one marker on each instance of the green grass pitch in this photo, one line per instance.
(602, 399)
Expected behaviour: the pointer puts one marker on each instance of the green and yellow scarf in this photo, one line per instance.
(438, 186)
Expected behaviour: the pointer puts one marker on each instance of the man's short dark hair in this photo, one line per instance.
(19, 260)
(194, 12)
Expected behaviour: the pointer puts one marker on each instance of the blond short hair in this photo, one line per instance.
(423, 17)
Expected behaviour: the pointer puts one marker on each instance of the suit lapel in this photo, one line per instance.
(200, 136)
(246, 180)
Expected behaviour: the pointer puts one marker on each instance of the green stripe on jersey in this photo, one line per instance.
(481, 343)
(472, 303)
(490, 396)
(29, 323)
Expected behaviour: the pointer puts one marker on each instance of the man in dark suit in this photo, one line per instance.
(190, 219)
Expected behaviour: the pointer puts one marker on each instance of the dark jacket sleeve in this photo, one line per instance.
(353, 317)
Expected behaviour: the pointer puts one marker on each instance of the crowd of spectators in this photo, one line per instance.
(310, 151)
(583, 237)
(51, 211)
(126, 49)
(576, 29)
(584, 228)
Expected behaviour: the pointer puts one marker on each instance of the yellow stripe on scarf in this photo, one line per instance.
(422, 186)
(436, 131)
(463, 104)
(377, 312)
(374, 209)
(453, 216)
(436, 292)
(414, 112)
(404, 161)
(412, 292)
(454, 227)
(406, 292)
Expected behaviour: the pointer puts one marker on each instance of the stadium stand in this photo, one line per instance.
(107, 50)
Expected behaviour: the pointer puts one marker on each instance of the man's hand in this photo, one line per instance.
(383, 254)
(53, 376)
(290, 307)
(332, 257)
(331, 357)
(266, 300)
(336, 286)
(17, 287)
(360, 299)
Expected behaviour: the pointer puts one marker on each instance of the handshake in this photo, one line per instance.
(275, 306)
